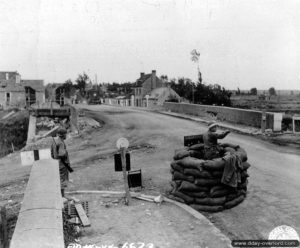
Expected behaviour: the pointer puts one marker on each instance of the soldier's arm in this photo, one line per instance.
(222, 135)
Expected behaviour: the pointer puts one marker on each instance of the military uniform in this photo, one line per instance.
(211, 148)
(59, 151)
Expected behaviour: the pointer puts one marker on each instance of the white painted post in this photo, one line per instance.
(277, 122)
(263, 121)
(147, 98)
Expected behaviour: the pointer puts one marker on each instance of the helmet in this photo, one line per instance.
(61, 131)
(212, 124)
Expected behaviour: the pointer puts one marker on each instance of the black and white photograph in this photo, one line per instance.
(149, 123)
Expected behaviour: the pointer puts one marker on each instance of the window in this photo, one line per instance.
(6, 75)
(8, 97)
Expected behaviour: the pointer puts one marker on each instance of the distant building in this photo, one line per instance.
(15, 92)
(56, 93)
(144, 85)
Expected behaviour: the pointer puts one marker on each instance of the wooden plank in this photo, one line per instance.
(51, 132)
(82, 215)
(193, 139)
(65, 112)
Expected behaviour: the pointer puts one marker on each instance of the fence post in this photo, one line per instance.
(263, 121)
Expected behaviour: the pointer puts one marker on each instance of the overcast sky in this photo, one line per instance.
(242, 43)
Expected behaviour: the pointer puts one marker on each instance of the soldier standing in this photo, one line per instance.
(59, 151)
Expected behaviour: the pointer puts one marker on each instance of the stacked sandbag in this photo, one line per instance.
(197, 182)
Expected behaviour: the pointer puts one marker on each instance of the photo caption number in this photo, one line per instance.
(141, 244)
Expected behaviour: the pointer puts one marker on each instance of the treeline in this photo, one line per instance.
(254, 92)
(198, 93)
(201, 93)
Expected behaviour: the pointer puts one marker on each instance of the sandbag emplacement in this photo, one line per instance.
(210, 185)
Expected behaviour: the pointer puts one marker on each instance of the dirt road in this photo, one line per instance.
(274, 185)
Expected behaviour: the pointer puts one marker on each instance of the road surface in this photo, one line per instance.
(274, 184)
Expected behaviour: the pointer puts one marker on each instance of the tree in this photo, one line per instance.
(272, 91)
(195, 58)
(81, 81)
(253, 91)
(201, 93)
(68, 87)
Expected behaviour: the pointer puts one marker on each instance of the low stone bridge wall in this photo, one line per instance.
(234, 115)
(40, 222)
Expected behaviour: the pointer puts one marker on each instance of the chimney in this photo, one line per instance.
(153, 79)
(142, 74)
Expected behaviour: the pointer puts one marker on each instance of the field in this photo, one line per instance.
(289, 104)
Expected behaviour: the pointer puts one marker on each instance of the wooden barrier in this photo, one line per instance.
(40, 218)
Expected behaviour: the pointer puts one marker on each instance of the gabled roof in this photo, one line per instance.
(139, 82)
(37, 85)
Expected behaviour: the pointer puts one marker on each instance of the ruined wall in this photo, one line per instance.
(17, 99)
(234, 115)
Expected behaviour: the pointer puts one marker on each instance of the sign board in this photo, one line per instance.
(118, 162)
(122, 143)
(28, 157)
(193, 140)
(135, 179)
(45, 153)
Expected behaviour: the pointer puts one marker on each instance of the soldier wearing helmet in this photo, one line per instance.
(210, 139)
(59, 151)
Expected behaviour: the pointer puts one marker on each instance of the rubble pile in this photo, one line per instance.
(44, 124)
(204, 184)
(86, 122)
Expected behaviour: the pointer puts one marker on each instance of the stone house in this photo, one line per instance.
(150, 90)
(15, 92)
(144, 85)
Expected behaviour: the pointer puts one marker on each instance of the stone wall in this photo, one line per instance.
(234, 115)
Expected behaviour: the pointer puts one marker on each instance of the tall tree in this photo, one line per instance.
(81, 81)
(272, 91)
(68, 87)
(253, 91)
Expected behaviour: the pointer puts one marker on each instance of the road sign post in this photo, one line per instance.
(122, 145)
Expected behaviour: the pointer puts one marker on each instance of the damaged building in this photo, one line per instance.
(16, 92)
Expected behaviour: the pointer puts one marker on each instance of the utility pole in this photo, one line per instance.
(193, 93)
